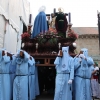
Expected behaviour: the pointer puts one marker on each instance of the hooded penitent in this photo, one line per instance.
(5, 89)
(65, 59)
(65, 72)
(32, 78)
(82, 65)
(21, 81)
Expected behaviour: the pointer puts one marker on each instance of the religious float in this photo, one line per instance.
(45, 47)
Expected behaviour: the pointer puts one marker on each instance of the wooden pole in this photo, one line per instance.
(99, 30)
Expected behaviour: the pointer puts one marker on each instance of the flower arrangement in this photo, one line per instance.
(72, 34)
(48, 37)
(25, 35)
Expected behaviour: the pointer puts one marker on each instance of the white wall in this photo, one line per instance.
(12, 10)
(2, 31)
(10, 43)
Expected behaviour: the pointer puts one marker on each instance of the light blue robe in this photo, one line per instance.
(5, 89)
(37, 92)
(12, 69)
(65, 72)
(20, 85)
(91, 69)
(82, 85)
(40, 24)
(32, 78)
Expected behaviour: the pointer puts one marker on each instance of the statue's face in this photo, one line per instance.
(60, 10)
(69, 26)
(52, 15)
(48, 17)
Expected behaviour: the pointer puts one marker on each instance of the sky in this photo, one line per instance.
(83, 12)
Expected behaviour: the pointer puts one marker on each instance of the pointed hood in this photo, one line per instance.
(19, 59)
(85, 51)
(65, 58)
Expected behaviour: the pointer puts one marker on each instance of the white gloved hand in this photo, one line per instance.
(80, 59)
(59, 53)
(82, 56)
(96, 68)
(16, 55)
(70, 82)
(5, 52)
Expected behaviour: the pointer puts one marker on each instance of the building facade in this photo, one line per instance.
(88, 38)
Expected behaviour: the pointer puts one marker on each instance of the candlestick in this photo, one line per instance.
(36, 47)
(59, 44)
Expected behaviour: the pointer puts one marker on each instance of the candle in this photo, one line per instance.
(69, 15)
(30, 17)
(54, 10)
(36, 45)
(59, 44)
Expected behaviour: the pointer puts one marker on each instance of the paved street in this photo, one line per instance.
(45, 96)
(48, 97)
